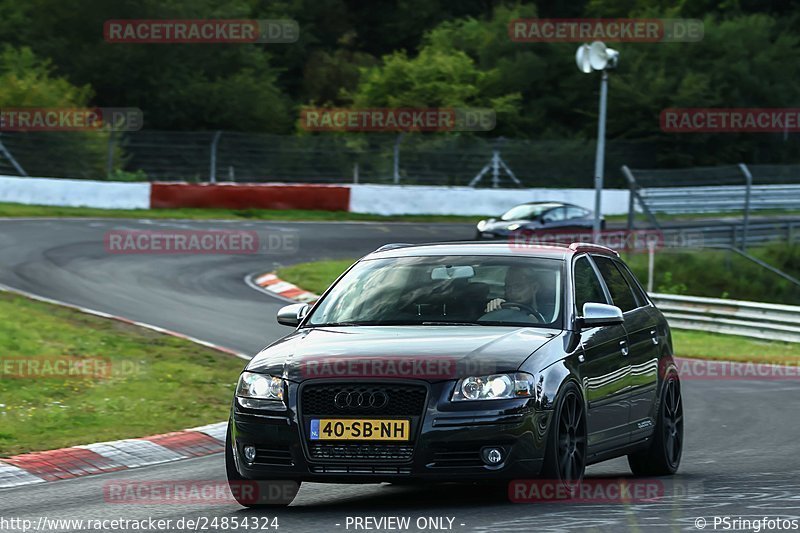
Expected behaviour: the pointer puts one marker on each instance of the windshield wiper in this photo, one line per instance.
(331, 324)
(435, 323)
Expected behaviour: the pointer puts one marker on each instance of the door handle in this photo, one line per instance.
(654, 337)
(623, 347)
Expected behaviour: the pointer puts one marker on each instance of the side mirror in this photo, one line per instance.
(291, 315)
(597, 315)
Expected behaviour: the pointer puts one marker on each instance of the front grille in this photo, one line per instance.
(273, 456)
(361, 452)
(402, 400)
(360, 469)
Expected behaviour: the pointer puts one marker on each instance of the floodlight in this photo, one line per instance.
(582, 59)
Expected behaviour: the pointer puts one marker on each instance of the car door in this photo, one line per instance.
(642, 352)
(645, 356)
(604, 368)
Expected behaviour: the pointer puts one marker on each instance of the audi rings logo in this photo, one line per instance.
(366, 400)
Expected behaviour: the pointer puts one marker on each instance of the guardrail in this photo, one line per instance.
(734, 317)
(720, 198)
(732, 233)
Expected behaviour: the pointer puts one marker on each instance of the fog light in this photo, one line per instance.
(249, 453)
(492, 456)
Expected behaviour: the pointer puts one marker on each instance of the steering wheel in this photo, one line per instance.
(526, 308)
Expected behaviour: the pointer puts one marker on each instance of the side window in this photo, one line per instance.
(576, 212)
(635, 286)
(587, 285)
(555, 215)
(620, 291)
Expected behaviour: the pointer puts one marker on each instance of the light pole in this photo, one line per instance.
(598, 57)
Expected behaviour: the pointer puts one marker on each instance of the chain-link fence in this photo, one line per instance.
(735, 189)
(432, 159)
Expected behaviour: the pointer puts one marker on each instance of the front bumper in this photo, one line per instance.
(447, 439)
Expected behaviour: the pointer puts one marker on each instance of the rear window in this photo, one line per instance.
(587, 285)
(634, 284)
(621, 292)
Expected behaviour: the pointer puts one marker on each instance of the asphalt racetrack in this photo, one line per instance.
(742, 439)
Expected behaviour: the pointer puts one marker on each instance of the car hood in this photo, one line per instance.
(399, 351)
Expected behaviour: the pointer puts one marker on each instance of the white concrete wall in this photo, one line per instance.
(429, 200)
(75, 193)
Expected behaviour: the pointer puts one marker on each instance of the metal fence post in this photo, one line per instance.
(110, 155)
(212, 171)
(631, 197)
(651, 259)
(749, 185)
(396, 174)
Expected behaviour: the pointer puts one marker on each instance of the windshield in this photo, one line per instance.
(448, 290)
(526, 211)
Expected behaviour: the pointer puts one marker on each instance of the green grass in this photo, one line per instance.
(157, 383)
(723, 274)
(20, 210)
(316, 277)
(702, 345)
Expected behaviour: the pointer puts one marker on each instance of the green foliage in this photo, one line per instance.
(723, 274)
(417, 53)
(668, 286)
(29, 81)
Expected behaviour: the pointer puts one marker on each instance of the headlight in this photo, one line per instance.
(481, 225)
(259, 387)
(494, 387)
(513, 227)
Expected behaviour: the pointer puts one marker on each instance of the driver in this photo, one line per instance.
(521, 287)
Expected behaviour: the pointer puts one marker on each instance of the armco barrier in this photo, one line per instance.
(255, 196)
(74, 193)
(735, 317)
(356, 198)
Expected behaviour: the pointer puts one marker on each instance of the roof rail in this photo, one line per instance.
(392, 246)
(591, 247)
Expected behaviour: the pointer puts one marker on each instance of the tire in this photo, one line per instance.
(565, 455)
(238, 484)
(663, 456)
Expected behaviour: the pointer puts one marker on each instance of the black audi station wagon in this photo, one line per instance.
(462, 362)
